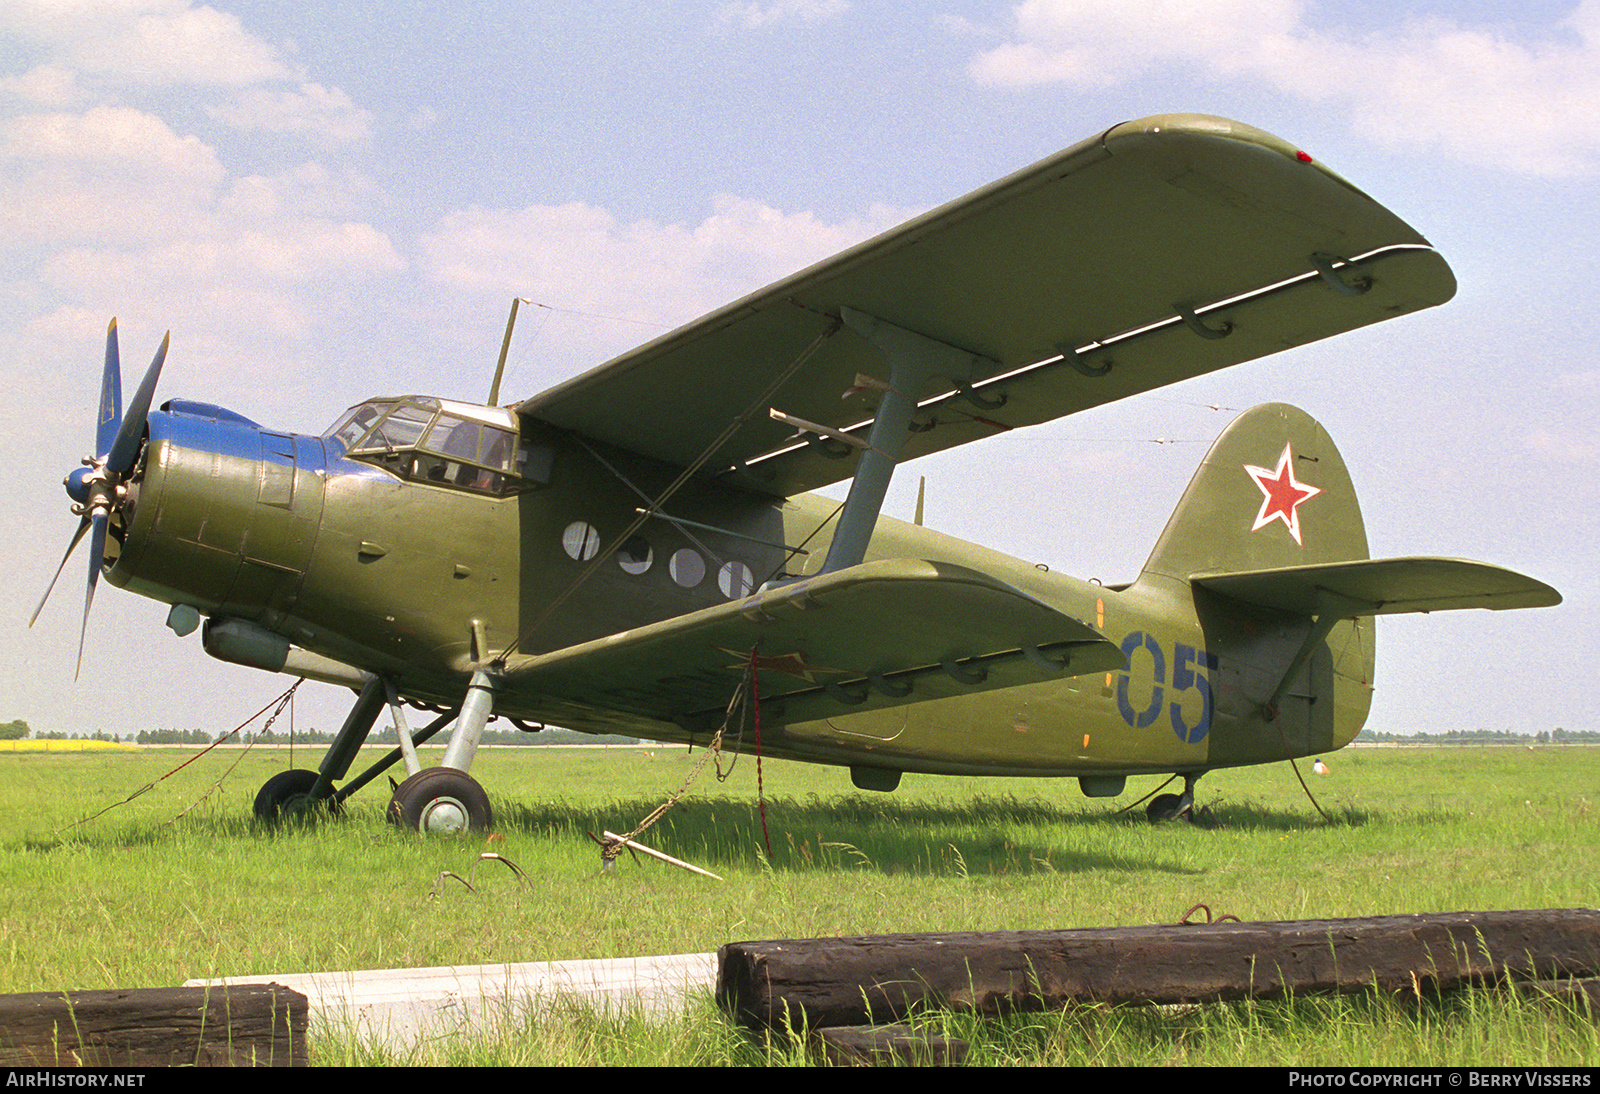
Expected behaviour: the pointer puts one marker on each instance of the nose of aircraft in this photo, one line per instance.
(99, 488)
(77, 484)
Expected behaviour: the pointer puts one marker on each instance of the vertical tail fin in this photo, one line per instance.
(1272, 491)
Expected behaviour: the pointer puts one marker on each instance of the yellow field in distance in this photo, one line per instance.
(74, 744)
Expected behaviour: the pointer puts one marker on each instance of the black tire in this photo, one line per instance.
(440, 799)
(288, 793)
(1164, 807)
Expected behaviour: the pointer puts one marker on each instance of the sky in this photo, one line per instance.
(329, 201)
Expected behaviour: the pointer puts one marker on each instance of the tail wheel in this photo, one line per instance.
(1165, 807)
(440, 799)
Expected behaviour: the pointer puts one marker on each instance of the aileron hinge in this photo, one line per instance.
(1337, 273)
(1199, 326)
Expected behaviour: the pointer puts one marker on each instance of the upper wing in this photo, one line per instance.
(1085, 260)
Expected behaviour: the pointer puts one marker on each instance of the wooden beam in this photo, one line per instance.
(241, 1025)
(874, 1046)
(1582, 995)
(861, 981)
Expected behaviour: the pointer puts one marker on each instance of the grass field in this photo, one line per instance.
(141, 896)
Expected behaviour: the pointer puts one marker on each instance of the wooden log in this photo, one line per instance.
(1583, 995)
(860, 981)
(873, 1046)
(236, 1025)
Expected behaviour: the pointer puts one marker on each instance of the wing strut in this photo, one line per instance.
(914, 359)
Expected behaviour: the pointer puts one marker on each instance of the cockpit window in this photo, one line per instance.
(401, 428)
(446, 444)
(354, 423)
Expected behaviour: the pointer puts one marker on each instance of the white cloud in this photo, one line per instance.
(309, 189)
(112, 174)
(156, 42)
(583, 257)
(113, 212)
(45, 85)
(313, 111)
(961, 26)
(1584, 381)
(1099, 43)
(286, 252)
(1478, 94)
(779, 12)
(249, 303)
(109, 209)
(111, 138)
(580, 258)
(273, 287)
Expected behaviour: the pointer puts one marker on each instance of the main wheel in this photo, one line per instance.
(288, 793)
(1165, 807)
(440, 799)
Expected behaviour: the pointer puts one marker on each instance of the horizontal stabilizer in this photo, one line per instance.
(1382, 586)
(871, 636)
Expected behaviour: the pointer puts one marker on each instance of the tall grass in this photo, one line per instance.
(138, 898)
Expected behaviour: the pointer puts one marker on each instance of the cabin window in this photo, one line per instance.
(460, 452)
(580, 541)
(735, 580)
(687, 568)
(635, 555)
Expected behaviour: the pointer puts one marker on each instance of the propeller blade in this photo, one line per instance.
(97, 557)
(83, 526)
(126, 446)
(110, 419)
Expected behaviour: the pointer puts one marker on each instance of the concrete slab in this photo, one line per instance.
(401, 1008)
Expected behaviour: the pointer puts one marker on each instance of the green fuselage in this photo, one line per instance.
(409, 578)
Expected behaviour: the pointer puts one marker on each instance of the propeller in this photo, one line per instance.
(99, 488)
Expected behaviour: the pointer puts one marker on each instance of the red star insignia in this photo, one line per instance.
(1283, 494)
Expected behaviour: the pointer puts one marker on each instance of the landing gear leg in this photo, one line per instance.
(298, 791)
(1165, 807)
(446, 798)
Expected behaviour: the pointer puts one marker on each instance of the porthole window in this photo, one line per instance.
(735, 580)
(635, 555)
(687, 568)
(580, 541)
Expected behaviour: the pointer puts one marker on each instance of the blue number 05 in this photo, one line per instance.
(1189, 672)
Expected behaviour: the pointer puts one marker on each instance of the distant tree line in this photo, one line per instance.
(62, 735)
(388, 736)
(173, 737)
(19, 730)
(1482, 736)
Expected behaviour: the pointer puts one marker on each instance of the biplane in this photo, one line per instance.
(633, 549)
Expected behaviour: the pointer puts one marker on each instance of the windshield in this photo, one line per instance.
(449, 444)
